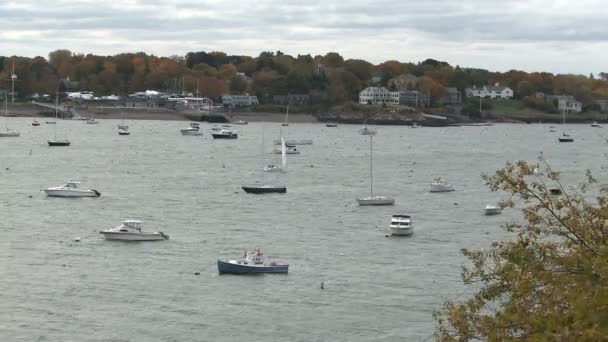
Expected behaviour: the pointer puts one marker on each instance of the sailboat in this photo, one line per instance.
(8, 133)
(55, 141)
(565, 137)
(373, 200)
(283, 167)
(122, 128)
(264, 188)
(122, 124)
(286, 123)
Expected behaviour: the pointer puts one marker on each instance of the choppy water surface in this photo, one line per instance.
(376, 288)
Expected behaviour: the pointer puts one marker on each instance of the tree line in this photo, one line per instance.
(328, 79)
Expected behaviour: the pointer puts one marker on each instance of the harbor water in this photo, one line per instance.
(376, 288)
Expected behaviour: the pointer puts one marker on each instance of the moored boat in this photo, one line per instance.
(401, 225)
(224, 134)
(70, 189)
(264, 189)
(376, 200)
(595, 124)
(251, 263)
(130, 230)
(191, 131)
(35, 123)
(331, 125)
(565, 138)
(440, 185)
(492, 210)
(240, 122)
(123, 131)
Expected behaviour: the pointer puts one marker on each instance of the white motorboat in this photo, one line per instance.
(492, 210)
(401, 225)
(70, 189)
(8, 133)
(92, 122)
(371, 199)
(440, 185)
(191, 131)
(123, 131)
(130, 230)
(289, 149)
(595, 124)
(224, 133)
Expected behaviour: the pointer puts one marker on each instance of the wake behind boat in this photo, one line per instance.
(130, 230)
(251, 263)
(70, 189)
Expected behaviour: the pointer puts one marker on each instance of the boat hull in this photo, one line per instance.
(225, 136)
(264, 190)
(59, 143)
(233, 268)
(492, 211)
(565, 139)
(375, 201)
(72, 193)
(294, 142)
(122, 236)
(190, 132)
(9, 134)
(440, 188)
(401, 231)
(124, 133)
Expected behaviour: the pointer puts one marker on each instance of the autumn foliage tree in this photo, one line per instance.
(550, 283)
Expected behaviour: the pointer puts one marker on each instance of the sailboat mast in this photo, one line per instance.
(6, 111)
(371, 167)
(56, 117)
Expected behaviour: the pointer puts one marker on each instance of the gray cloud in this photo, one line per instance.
(461, 32)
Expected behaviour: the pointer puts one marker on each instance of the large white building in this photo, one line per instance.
(381, 95)
(565, 103)
(376, 95)
(493, 92)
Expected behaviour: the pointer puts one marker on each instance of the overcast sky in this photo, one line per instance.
(562, 36)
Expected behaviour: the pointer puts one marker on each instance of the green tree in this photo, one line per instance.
(548, 283)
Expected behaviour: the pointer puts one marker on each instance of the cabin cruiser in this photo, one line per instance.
(70, 189)
(401, 225)
(130, 230)
(440, 185)
(492, 210)
(224, 133)
(251, 262)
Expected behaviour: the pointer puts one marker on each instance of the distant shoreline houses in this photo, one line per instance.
(493, 92)
(412, 98)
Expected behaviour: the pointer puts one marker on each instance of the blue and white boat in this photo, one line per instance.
(250, 263)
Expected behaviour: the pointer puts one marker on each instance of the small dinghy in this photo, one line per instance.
(35, 123)
(70, 189)
(130, 230)
(250, 263)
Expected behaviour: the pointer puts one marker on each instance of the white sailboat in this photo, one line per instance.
(8, 133)
(373, 200)
(263, 188)
(55, 141)
(565, 137)
(122, 124)
(283, 167)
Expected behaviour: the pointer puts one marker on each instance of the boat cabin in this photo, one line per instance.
(133, 224)
(72, 185)
(401, 220)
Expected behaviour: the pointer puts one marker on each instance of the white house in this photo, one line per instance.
(493, 92)
(239, 100)
(565, 103)
(377, 95)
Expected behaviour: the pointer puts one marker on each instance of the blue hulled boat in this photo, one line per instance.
(251, 263)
